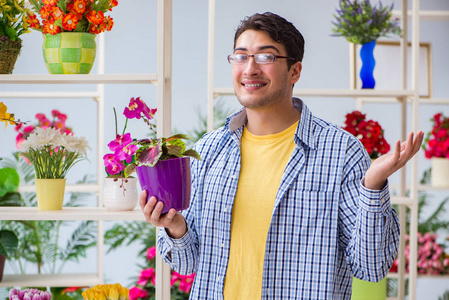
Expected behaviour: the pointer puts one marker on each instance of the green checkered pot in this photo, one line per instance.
(69, 52)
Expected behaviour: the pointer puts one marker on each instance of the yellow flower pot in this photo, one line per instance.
(364, 290)
(50, 193)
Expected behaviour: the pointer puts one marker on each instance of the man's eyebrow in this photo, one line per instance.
(260, 48)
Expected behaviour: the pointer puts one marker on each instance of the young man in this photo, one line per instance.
(284, 205)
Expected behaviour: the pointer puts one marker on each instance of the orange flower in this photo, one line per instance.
(113, 3)
(95, 18)
(109, 23)
(34, 22)
(57, 13)
(95, 29)
(80, 6)
(45, 12)
(50, 2)
(69, 22)
(50, 27)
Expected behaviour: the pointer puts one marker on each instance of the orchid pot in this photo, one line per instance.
(120, 193)
(168, 181)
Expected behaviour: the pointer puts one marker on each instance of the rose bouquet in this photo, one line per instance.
(360, 22)
(145, 285)
(369, 132)
(106, 292)
(53, 153)
(72, 16)
(436, 143)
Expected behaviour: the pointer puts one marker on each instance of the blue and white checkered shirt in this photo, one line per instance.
(326, 227)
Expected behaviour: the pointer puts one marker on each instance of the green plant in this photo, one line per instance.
(13, 19)
(360, 22)
(445, 296)
(8, 242)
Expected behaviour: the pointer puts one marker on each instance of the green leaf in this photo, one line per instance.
(149, 157)
(192, 153)
(130, 169)
(8, 242)
(9, 181)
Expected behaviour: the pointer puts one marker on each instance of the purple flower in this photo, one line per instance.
(120, 141)
(125, 153)
(113, 166)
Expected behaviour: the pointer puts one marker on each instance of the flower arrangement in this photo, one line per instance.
(129, 153)
(72, 16)
(360, 22)
(431, 256)
(436, 143)
(106, 292)
(29, 294)
(145, 285)
(13, 19)
(53, 153)
(369, 132)
(56, 121)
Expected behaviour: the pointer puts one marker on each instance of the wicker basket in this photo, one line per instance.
(9, 51)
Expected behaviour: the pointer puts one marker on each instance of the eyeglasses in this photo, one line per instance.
(260, 58)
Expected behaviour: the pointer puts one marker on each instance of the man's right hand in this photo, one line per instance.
(173, 221)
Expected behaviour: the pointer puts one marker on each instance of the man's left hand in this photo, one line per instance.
(389, 163)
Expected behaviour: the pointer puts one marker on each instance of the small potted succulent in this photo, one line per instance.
(162, 164)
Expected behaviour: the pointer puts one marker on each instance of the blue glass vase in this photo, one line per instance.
(368, 63)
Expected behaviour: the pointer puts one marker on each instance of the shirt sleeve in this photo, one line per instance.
(369, 226)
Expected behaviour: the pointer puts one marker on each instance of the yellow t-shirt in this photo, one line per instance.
(263, 162)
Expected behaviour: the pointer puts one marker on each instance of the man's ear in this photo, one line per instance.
(295, 72)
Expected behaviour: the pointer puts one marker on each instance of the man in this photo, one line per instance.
(284, 205)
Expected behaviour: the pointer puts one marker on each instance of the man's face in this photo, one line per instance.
(260, 86)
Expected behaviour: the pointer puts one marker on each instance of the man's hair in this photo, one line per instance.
(279, 29)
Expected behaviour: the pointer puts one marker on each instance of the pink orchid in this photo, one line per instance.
(120, 141)
(113, 166)
(151, 253)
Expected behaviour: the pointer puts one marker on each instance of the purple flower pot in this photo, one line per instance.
(168, 181)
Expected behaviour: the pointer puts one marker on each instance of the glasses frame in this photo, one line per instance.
(232, 61)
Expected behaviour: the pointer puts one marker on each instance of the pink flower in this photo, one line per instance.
(40, 117)
(147, 275)
(120, 141)
(136, 293)
(134, 109)
(55, 113)
(28, 129)
(126, 153)
(151, 252)
(113, 166)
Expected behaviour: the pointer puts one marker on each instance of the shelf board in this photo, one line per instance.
(79, 79)
(426, 15)
(333, 93)
(431, 188)
(69, 214)
(28, 95)
(56, 280)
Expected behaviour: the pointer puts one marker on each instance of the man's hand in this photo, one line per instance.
(172, 221)
(387, 164)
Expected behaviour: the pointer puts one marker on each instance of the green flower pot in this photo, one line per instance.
(69, 52)
(364, 290)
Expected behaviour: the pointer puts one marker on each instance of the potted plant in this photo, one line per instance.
(436, 146)
(369, 132)
(362, 23)
(162, 164)
(107, 292)
(13, 23)
(69, 28)
(52, 155)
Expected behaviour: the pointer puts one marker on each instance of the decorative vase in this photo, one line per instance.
(69, 52)
(365, 290)
(120, 193)
(50, 193)
(368, 63)
(440, 172)
(168, 181)
(9, 51)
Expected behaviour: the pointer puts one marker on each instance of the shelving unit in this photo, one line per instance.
(162, 79)
(403, 97)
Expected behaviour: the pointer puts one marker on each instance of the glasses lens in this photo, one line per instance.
(237, 58)
(264, 58)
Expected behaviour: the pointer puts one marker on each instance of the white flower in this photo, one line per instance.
(82, 145)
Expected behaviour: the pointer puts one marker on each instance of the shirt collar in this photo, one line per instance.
(304, 131)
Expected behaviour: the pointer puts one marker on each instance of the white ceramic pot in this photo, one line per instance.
(120, 193)
(440, 172)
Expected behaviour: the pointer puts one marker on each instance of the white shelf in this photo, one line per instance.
(332, 93)
(69, 214)
(79, 79)
(93, 94)
(426, 15)
(401, 200)
(56, 280)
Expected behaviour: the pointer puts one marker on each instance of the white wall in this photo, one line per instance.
(131, 48)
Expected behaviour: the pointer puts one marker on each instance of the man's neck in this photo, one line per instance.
(271, 120)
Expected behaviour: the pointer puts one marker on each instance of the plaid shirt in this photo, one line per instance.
(326, 227)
